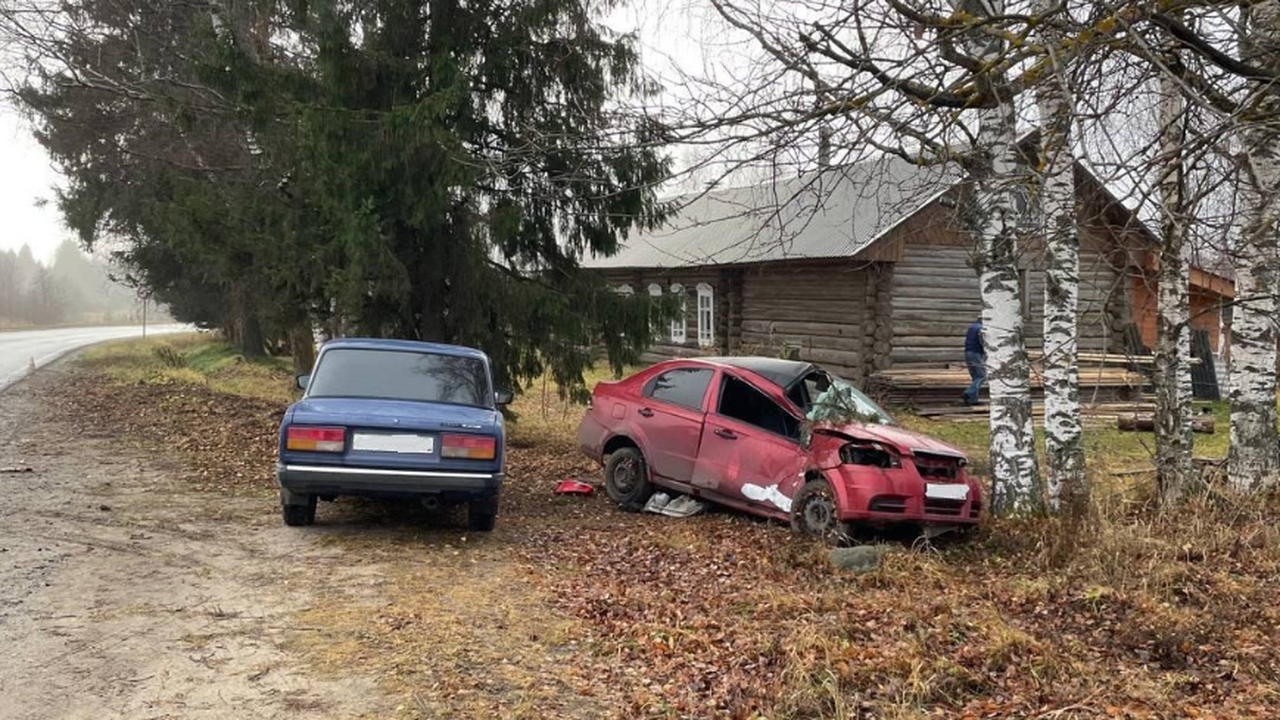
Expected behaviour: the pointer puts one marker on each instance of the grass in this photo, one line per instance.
(1135, 612)
(1106, 448)
(197, 359)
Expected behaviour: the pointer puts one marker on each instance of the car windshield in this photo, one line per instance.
(401, 375)
(826, 398)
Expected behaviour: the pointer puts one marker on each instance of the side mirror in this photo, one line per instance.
(502, 396)
(302, 381)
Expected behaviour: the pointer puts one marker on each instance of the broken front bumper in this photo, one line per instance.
(901, 495)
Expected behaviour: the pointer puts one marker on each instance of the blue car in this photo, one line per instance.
(398, 419)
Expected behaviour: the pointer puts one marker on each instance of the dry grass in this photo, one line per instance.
(573, 609)
(193, 359)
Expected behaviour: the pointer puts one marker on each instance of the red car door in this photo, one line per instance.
(670, 414)
(750, 453)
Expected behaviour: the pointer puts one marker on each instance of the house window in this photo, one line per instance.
(625, 290)
(655, 291)
(706, 315)
(678, 324)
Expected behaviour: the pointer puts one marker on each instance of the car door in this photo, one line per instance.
(670, 415)
(750, 452)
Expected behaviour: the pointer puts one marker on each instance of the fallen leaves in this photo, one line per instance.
(728, 616)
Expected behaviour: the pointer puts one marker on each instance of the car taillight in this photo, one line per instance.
(470, 447)
(316, 439)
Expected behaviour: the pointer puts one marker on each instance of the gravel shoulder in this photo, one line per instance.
(123, 595)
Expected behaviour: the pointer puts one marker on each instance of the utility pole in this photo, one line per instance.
(144, 294)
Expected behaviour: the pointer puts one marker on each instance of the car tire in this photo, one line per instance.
(626, 479)
(813, 512)
(299, 515)
(482, 514)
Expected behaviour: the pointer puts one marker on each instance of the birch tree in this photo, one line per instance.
(1173, 330)
(1063, 434)
(1254, 461)
(993, 218)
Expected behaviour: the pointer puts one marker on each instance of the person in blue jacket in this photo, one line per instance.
(975, 356)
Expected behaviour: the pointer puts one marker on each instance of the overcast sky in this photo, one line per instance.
(26, 176)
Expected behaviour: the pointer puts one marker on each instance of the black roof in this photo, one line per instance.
(780, 372)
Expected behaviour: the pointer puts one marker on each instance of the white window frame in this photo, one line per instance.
(655, 291)
(679, 325)
(706, 315)
(625, 290)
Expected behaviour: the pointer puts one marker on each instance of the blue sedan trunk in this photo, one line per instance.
(394, 416)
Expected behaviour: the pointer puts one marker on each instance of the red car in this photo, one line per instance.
(751, 433)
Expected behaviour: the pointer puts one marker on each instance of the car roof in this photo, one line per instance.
(404, 346)
(776, 370)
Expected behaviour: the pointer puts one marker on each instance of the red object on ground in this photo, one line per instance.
(574, 487)
(756, 434)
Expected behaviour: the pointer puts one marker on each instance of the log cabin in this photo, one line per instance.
(867, 268)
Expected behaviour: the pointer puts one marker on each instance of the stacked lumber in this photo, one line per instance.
(1093, 413)
(924, 387)
(1105, 359)
(1147, 423)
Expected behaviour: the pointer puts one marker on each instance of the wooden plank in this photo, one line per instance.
(825, 342)
(802, 328)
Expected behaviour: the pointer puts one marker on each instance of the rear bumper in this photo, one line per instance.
(300, 479)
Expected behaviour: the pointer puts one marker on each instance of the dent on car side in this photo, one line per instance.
(896, 492)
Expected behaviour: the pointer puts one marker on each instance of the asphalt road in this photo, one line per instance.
(18, 350)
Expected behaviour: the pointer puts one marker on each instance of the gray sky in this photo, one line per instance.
(26, 175)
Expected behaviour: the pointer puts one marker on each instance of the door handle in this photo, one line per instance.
(726, 434)
(646, 412)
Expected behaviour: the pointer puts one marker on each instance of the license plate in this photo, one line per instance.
(394, 443)
(953, 491)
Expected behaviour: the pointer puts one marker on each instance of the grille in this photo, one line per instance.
(939, 467)
(888, 504)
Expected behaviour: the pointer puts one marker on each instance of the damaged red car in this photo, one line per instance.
(779, 438)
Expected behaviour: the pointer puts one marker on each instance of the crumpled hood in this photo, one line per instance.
(904, 441)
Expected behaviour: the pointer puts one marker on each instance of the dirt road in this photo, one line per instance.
(121, 595)
(124, 593)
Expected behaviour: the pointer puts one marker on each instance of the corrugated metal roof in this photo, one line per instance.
(835, 213)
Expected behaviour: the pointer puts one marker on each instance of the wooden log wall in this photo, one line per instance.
(936, 297)
(820, 310)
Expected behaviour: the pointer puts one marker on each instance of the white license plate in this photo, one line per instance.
(394, 443)
(951, 491)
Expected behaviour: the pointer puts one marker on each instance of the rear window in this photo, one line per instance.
(401, 375)
(683, 386)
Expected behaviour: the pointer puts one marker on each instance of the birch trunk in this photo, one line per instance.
(992, 215)
(1174, 470)
(1063, 435)
(1254, 459)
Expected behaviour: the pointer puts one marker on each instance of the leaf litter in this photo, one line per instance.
(575, 609)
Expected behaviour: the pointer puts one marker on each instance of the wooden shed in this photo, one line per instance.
(862, 268)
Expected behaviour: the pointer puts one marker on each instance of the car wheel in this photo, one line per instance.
(482, 514)
(626, 479)
(814, 512)
(299, 515)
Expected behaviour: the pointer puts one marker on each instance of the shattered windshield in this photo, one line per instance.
(825, 398)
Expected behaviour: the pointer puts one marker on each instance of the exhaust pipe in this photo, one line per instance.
(431, 502)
